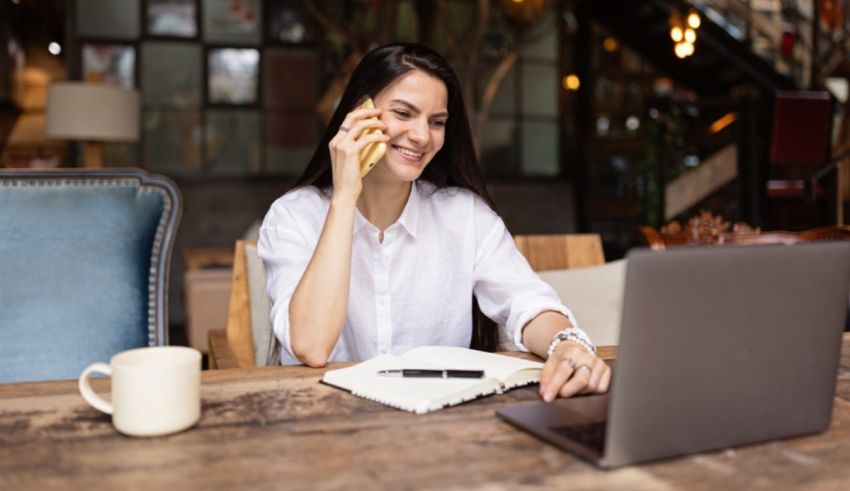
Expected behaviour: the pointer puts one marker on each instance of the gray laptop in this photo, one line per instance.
(719, 346)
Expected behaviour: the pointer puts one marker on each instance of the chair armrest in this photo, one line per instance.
(221, 355)
(607, 352)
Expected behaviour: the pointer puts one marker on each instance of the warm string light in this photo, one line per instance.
(683, 32)
(571, 82)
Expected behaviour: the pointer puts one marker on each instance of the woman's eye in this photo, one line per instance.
(438, 123)
(401, 114)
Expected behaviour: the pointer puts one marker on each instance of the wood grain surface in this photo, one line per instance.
(278, 428)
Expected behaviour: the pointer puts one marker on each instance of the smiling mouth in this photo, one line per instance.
(408, 154)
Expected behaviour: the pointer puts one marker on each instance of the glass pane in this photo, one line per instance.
(544, 39)
(283, 89)
(540, 148)
(233, 75)
(171, 74)
(232, 21)
(108, 19)
(233, 142)
(499, 147)
(172, 18)
(291, 23)
(172, 141)
(109, 63)
(290, 142)
(504, 100)
(540, 85)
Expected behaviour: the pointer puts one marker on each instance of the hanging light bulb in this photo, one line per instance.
(693, 20)
(676, 34)
(683, 31)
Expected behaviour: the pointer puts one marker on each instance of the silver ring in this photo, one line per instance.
(585, 366)
(343, 129)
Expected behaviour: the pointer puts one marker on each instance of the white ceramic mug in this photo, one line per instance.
(155, 391)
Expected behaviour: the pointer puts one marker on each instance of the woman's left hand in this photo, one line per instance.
(572, 370)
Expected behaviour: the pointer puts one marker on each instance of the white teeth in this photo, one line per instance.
(409, 152)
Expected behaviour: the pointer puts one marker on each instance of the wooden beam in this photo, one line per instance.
(694, 186)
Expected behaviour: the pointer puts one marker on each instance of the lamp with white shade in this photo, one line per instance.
(92, 113)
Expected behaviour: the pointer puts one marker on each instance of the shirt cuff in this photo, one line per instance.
(517, 325)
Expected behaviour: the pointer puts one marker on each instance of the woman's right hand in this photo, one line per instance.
(345, 148)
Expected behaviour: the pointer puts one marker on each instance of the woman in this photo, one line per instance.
(380, 264)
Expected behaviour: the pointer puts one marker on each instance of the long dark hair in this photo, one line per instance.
(454, 165)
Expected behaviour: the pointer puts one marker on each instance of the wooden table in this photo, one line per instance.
(277, 428)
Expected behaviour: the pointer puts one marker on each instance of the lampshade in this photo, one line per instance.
(93, 112)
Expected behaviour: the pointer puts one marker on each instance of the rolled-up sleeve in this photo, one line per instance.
(507, 289)
(285, 253)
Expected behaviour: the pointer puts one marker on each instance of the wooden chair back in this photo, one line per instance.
(234, 348)
(561, 251)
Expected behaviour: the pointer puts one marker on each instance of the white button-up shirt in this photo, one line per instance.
(415, 288)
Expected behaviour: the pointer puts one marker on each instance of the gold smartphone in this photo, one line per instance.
(373, 152)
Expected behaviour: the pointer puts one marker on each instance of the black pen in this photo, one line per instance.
(418, 373)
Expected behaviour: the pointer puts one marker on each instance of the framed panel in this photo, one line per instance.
(540, 148)
(109, 63)
(172, 141)
(232, 21)
(504, 102)
(233, 75)
(499, 156)
(171, 74)
(289, 22)
(232, 141)
(291, 79)
(108, 19)
(172, 18)
(291, 140)
(540, 89)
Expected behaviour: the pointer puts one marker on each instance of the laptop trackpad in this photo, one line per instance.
(585, 409)
(576, 424)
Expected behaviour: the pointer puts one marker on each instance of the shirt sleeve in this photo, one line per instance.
(285, 253)
(507, 289)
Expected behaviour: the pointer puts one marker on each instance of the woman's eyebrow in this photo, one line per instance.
(411, 107)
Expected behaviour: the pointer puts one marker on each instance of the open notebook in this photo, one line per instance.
(421, 395)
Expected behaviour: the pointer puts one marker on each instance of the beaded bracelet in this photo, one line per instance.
(571, 334)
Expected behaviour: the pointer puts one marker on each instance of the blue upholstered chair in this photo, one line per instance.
(84, 260)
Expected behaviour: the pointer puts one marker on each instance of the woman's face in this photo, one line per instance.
(414, 109)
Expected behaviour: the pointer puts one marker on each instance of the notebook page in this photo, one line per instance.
(418, 395)
(495, 366)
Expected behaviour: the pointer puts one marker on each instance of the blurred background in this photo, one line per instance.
(589, 116)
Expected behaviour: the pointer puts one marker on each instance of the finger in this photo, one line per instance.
(548, 371)
(597, 366)
(604, 381)
(576, 383)
(358, 129)
(367, 140)
(356, 115)
(562, 372)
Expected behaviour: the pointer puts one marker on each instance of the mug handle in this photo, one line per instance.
(88, 394)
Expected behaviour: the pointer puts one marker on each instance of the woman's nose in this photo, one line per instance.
(418, 132)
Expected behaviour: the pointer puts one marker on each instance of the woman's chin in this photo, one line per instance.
(406, 171)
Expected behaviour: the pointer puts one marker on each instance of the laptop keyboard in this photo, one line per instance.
(590, 435)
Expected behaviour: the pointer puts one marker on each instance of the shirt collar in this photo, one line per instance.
(409, 216)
